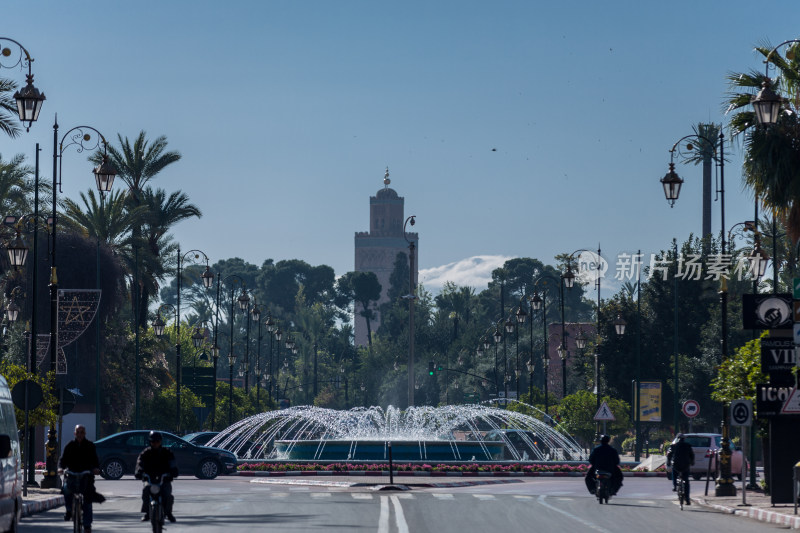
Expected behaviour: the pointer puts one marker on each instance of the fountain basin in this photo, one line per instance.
(378, 450)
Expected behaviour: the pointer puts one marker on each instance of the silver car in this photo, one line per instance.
(704, 445)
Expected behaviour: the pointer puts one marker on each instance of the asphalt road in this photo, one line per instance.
(536, 504)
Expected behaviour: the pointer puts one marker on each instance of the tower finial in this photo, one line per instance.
(386, 180)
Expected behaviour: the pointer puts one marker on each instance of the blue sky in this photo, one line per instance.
(512, 128)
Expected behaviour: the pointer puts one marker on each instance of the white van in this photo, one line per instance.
(11, 478)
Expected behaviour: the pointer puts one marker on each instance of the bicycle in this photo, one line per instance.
(680, 488)
(76, 484)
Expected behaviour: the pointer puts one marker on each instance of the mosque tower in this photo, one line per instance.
(377, 249)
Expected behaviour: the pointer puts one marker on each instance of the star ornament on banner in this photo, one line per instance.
(76, 310)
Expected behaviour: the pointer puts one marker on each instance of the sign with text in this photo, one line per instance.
(650, 401)
(767, 311)
(771, 400)
(777, 355)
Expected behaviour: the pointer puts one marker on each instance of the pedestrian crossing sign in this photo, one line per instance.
(604, 413)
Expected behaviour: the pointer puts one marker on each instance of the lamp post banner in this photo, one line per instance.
(76, 310)
(650, 401)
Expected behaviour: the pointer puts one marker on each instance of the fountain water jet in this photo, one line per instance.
(448, 433)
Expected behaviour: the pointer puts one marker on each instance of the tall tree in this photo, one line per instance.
(8, 109)
(772, 153)
(137, 164)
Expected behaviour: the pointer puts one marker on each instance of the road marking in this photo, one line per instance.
(442, 496)
(484, 496)
(298, 489)
(402, 526)
(523, 497)
(320, 494)
(570, 515)
(383, 519)
(405, 496)
(361, 496)
(279, 494)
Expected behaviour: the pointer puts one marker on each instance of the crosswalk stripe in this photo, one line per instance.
(523, 497)
(484, 496)
(442, 496)
(405, 496)
(320, 494)
(361, 496)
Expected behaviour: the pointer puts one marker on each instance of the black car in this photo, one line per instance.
(200, 438)
(118, 455)
(523, 441)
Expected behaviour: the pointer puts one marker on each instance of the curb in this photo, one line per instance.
(762, 515)
(31, 507)
(363, 473)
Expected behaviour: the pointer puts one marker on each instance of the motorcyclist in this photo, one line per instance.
(157, 461)
(80, 455)
(604, 458)
(681, 457)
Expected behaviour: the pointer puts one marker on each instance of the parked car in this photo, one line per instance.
(704, 444)
(523, 441)
(200, 438)
(11, 475)
(118, 455)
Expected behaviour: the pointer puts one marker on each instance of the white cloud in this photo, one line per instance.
(471, 272)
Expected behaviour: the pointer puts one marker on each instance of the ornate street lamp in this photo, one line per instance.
(29, 98)
(619, 325)
(17, 251)
(766, 104)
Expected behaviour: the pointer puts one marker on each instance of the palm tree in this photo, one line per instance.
(157, 248)
(108, 220)
(15, 185)
(136, 165)
(8, 109)
(772, 154)
(707, 146)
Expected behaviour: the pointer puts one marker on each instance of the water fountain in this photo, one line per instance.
(449, 433)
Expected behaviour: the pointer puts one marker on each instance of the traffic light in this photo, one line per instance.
(430, 368)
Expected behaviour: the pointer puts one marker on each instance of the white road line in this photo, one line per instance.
(484, 496)
(442, 496)
(523, 497)
(400, 518)
(279, 494)
(361, 496)
(383, 519)
(405, 496)
(320, 494)
(570, 515)
(298, 489)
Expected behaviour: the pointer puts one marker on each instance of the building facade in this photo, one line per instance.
(377, 249)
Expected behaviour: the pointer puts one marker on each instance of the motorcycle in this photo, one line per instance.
(156, 512)
(602, 486)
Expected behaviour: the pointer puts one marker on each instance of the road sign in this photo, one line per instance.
(792, 404)
(67, 400)
(742, 413)
(604, 413)
(691, 408)
(35, 394)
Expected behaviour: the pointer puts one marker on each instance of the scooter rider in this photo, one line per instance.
(604, 458)
(157, 461)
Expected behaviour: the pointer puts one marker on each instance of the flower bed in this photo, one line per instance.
(414, 467)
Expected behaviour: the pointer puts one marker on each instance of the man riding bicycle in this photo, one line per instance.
(681, 457)
(157, 462)
(80, 455)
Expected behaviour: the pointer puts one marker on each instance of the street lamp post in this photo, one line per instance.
(498, 336)
(411, 304)
(29, 99)
(537, 303)
(672, 185)
(256, 314)
(569, 281)
(278, 337)
(509, 326)
(231, 357)
(270, 325)
(521, 315)
(208, 280)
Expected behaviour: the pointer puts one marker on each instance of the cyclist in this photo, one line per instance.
(604, 457)
(157, 461)
(80, 455)
(681, 457)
